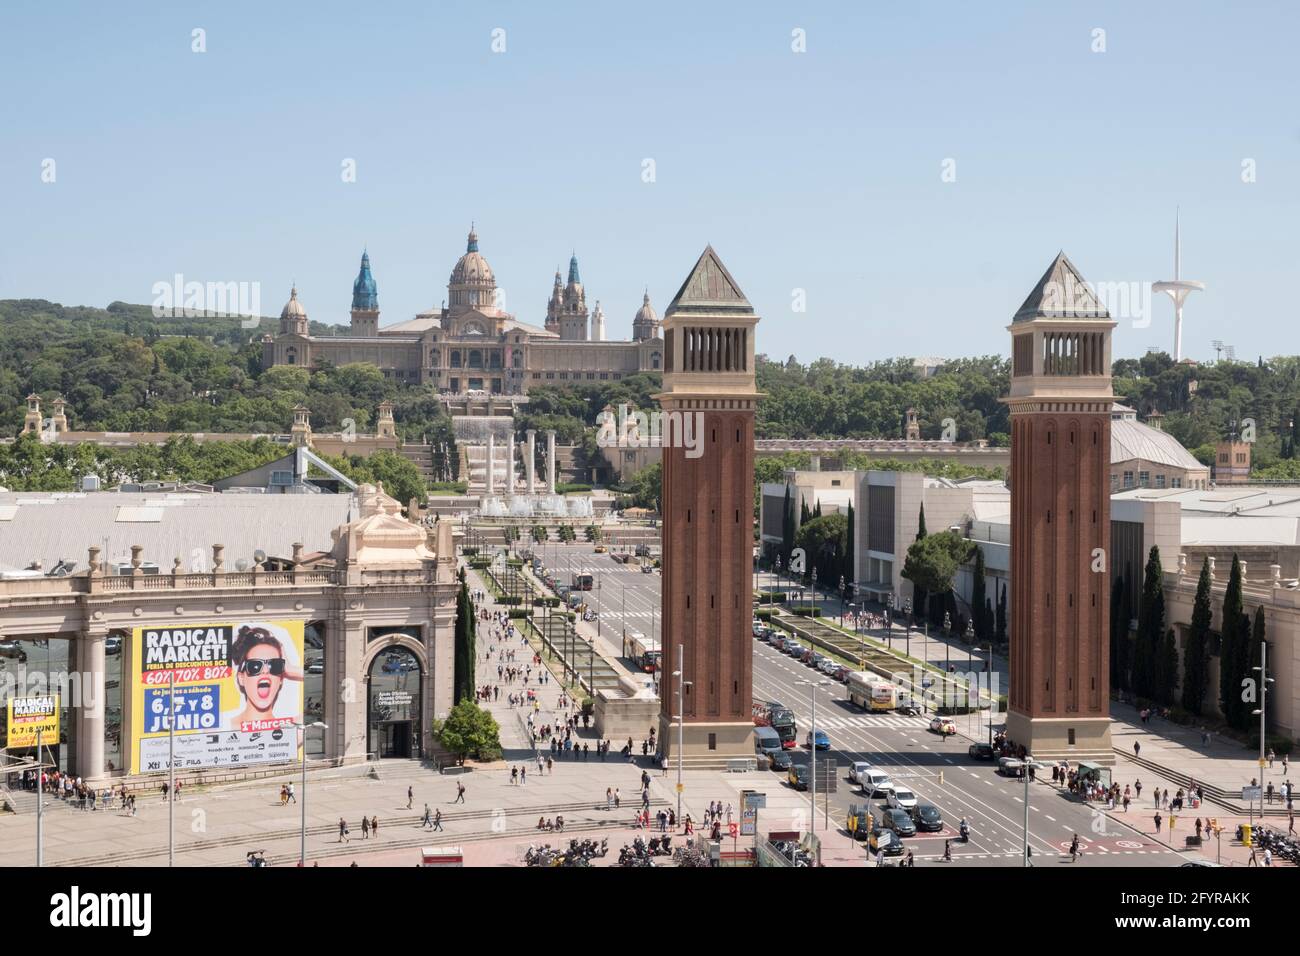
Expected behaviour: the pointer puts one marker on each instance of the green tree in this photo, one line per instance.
(932, 561)
(1196, 665)
(978, 599)
(1002, 616)
(464, 649)
(1232, 642)
(1118, 634)
(1151, 628)
(1168, 669)
(469, 731)
(850, 547)
(804, 514)
(822, 540)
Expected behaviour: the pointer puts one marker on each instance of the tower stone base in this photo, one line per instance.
(729, 741)
(1048, 738)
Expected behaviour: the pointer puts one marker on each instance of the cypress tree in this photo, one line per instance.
(850, 546)
(1118, 627)
(787, 529)
(804, 514)
(1151, 627)
(463, 659)
(978, 598)
(1195, 662)
(1002, 616)
(817, 508)
(920, 600)
(1232, 637)
(1252, 661)
(1167, 662)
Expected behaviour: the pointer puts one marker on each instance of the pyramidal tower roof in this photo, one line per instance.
(1062, 293)
(710, 288)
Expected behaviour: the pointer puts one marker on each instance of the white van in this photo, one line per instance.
(876, 781)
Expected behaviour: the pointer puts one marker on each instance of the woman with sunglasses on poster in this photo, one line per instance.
(262, 663)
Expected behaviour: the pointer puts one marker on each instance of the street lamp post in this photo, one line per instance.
(1264, 681)
(1025, 766)
(947, 637)
(171, 768)
(302, 851)
(907, 612)
(40, 799)
(814, 594)
(812, 749)
(841, 600)
(681, 721)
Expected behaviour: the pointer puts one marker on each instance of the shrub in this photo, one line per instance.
(763, 614)
(518, 612)
(806, 610)
(510, 599)
(767, 596)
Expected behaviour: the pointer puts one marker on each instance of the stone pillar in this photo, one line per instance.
(529, 462)
(550, 462)
(90, 713)
(491, 454)
(510, 467)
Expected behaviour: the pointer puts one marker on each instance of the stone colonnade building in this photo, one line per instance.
(377, 608)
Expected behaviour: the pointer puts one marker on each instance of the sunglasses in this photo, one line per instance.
(255, 666)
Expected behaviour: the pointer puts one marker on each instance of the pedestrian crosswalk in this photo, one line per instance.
(848, 723)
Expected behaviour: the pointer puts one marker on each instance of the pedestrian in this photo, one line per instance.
(1290, 830)
(437, 820)
(365, 828)
(947, 851)
(343, 830)
(428, 818)
(1137, 788)
(609, 798)
(1268, 857)
(618, 800)
(1158, 818)
(514, 775)
(410, 797)
(1074, 849)
(1137, 748)
(374, 826)
(523, 778)
(460, 788)
(292, 797)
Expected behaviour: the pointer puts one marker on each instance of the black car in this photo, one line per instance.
(927, 817)
(980, 751)
(780, 760)
(899, 822)
(799, 776)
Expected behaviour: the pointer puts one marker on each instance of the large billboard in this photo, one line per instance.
(237, 691)
(30, 718)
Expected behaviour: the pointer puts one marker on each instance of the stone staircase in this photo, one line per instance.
(422, 457)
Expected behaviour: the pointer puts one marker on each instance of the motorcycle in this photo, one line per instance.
(964, 833)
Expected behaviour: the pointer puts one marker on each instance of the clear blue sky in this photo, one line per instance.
(817, 171)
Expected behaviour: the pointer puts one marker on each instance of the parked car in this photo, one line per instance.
(820, 660)
(901, 798)
(980, 751)
(780, 761)
(823, 741)
(807, 655)
(793, 648)
(777, 641)
(927, 817)
(842, 672)
(798, 776)
(942, 726)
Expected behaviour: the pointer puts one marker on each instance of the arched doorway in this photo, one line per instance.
(393, 708)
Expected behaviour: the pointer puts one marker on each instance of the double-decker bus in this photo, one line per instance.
(641, 650)
(872, 692)
(780, 718)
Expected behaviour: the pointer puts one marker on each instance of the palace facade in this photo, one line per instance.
(470, 344)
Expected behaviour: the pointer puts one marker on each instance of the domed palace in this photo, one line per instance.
(471, 345)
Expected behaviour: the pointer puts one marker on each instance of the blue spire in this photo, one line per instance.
(573, 270)
(472, 245)
(365, 293)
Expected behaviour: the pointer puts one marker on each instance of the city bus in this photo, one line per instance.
(641, 651)
(582, 580)
(780, 718)
(871, 692)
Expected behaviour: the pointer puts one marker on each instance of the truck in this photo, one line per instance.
(780, 718)
(642, 651)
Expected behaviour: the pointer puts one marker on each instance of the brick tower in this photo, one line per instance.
(709, 399)
(1060, 402)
